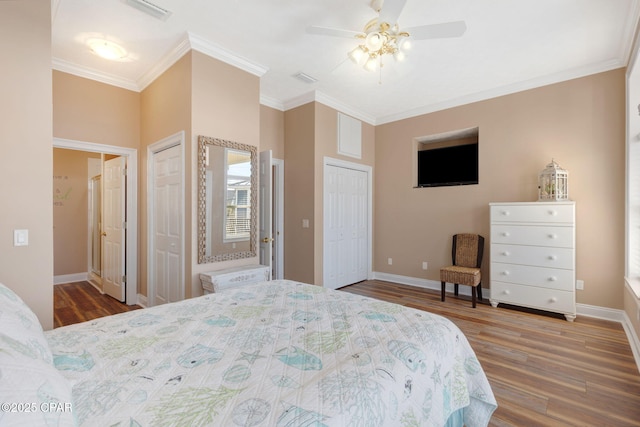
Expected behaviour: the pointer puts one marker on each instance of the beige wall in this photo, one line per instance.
(272, 131)
(299, 166)
(89, 111)
(26, 161)
(70, 211)
(580, 123)
(225, 105)
(311, 135)
(165, 109)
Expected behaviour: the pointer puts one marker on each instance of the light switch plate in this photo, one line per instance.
(20, 237)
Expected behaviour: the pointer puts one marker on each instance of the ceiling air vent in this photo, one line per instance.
(150, 8)
(305, 78)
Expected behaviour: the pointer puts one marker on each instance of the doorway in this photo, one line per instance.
(129, 194)
(347, 223)
(165, 219)
(271, 214)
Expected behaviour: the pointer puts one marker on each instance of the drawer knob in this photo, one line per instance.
(553, 278)
(553, 236)
(553, 213)
(506, 292)
(505, 233)
(505, 273)
(553, 299)
(553, 257)
(505, 253)
(506, 213)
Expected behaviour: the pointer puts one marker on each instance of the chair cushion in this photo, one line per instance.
(461, 275)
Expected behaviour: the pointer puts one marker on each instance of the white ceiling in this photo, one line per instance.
(508, 46)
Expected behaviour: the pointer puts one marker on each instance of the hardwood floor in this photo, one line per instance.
(80, 301)
(544, 371)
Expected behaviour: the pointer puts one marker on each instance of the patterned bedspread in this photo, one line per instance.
(277, 353)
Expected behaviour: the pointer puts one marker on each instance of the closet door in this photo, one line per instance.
(346, 226)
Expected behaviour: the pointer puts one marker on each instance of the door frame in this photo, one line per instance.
(177, 139)
(278, 216)
(329, 161)
(131, 210)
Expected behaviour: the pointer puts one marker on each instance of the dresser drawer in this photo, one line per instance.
(544, 212)
(534, 235)
(553, 278)
(540, 256)
(534, 297)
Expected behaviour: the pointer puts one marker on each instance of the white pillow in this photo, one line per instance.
(20, 324)
(32, 390)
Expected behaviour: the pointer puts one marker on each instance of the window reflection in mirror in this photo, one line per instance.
(238, 202)
(226, 200)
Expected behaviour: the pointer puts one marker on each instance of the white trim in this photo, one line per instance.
(420, 283)
(171, 57)
(70, 278)
(177, 139)
(92, 74)
(274, 103)
(132, 204)
(278, 209)
(329, 161)
(634, 342)
(142, 300)
(218, 52)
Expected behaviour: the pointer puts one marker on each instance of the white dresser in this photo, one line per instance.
(229, 278)
(533, 256)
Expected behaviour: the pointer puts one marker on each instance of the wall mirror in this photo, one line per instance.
(227, 189)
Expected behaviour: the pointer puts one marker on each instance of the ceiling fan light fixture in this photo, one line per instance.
(374, 41)
(107, 49)
(371, 64)
(358, 55)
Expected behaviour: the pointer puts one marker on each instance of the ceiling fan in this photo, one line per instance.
(383, 36)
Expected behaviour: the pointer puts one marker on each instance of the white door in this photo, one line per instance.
(346, 216)
(114, 228)
(265, 224)
(167, 229)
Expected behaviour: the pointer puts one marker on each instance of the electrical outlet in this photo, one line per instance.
(580, 285)
(390, 261)
(425, 265)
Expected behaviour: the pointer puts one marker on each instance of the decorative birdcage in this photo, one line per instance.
(553, 183)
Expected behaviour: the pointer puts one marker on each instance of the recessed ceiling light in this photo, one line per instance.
(107, 49)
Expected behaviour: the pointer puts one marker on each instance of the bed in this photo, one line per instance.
(277, 353)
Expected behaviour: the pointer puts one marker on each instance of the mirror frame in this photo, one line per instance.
(203, 143)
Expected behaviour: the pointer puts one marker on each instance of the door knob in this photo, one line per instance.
(104, 234)
(267, 240)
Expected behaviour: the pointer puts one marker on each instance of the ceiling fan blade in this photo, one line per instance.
(391, 10)
(334, 32)
(437, 31)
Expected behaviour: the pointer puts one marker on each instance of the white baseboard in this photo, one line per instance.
(420, 283)
(70, 278)
(582, 309)
(142, 301)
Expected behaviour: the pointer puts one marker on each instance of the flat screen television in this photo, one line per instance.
(456, 165)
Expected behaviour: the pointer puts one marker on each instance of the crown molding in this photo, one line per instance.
(504, 90)
(171, 57)
(322, 98)
(274, 103)
(218, 52)
(91, 74)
